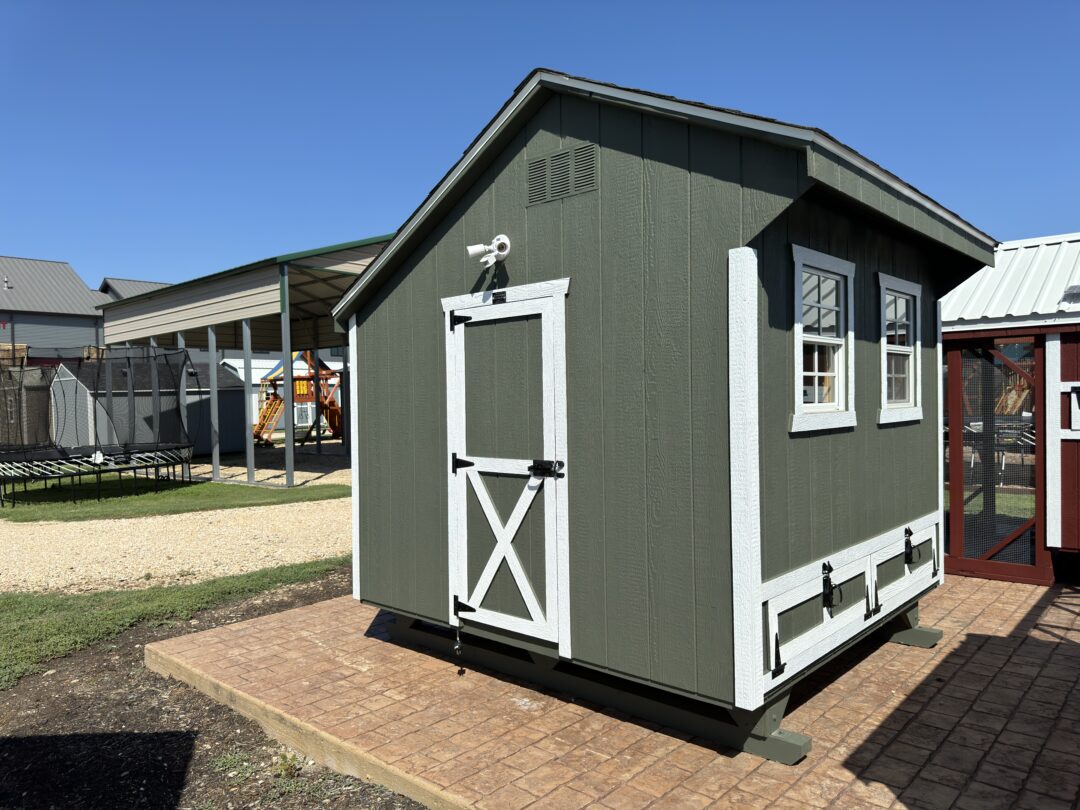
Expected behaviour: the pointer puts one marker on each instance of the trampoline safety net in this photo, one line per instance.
(67, 412)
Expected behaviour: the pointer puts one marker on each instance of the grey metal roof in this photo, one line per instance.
(37, 285)
(1029, 283)
(119, 288)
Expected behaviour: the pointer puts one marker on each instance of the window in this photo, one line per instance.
(901, 372)
(824, 342)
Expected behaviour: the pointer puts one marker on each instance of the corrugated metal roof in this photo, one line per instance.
(1028, 282)
(119, 288)
(37, 285)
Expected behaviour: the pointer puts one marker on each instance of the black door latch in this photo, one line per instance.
(909, 552)
(827, 585)
(545, 468)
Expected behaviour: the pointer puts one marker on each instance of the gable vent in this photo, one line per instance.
(571, 171)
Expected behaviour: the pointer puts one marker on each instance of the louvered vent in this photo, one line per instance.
(561, 174)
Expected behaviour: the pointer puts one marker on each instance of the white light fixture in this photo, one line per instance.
(497, 251)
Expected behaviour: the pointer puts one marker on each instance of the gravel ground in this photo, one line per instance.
(167, 549)
(331, 467)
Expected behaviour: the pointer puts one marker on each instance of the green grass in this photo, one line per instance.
(36, 627)
(1013, 504)
(138, 498)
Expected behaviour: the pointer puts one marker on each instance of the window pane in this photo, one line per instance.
(830, 323)
(829, 295)
(810, 287)
(809, 356)
(898, 311)
(898, 377)
(827, 389)
(810, 322)
(826, 356)
(808, 389)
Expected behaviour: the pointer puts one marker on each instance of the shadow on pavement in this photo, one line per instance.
(94, 770)
(996, 723)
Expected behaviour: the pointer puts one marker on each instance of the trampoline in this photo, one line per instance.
(70, 413)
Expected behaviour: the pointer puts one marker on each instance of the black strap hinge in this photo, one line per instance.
(779, 668)
(498, 297)
(456, 319)
(460, 607)
(457, 463)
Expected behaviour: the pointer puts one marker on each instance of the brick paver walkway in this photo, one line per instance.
(990, 718)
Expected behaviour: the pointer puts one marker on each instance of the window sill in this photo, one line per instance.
(891, 416)
(822, 420)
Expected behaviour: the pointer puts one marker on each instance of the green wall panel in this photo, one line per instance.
(822, 492)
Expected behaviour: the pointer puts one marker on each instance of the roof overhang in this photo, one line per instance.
(542, 82)
(314, 281)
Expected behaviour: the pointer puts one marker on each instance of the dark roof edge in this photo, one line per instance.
(544, 78)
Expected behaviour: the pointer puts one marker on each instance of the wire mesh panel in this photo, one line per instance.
(999, 458)
(65, 404)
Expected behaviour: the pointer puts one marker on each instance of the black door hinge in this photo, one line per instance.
(909, 552)
(498, 297)
(457, 463)
(779, 668)
(545, 468)
(456, 319)
(460, 607)
(827, 585)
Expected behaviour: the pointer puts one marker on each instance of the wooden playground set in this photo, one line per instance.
(319, 386)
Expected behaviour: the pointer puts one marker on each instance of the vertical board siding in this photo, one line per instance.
(715, 223)
(823, 492)
(623, 642)
(667, 402)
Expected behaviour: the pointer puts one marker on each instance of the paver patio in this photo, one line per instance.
(989, 718)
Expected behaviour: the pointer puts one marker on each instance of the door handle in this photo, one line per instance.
(546, 468)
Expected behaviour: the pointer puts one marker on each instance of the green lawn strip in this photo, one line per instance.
(35, 627)
(138, 498)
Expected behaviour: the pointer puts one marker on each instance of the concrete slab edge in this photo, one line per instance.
(314, 743)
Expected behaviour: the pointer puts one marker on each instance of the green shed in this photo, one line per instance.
(646, 404)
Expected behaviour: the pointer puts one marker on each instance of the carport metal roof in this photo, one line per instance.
(311, 281)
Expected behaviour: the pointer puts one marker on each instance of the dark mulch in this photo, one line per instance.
(100, 730)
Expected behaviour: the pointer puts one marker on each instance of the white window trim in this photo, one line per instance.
(892, 414)
(806, 418)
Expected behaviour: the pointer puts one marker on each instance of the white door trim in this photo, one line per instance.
(547, 299)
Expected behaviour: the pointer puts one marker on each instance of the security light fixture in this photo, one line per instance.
(497, 251)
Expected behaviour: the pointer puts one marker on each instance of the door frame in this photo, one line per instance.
(1042, 572)
(547, 299)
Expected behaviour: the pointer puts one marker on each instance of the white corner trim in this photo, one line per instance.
(745, 476)
(939, 550)
(894, 414)
(354, 449)
(804, 418)
(1054, 434)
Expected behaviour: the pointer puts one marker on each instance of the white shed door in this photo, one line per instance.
(507, 461)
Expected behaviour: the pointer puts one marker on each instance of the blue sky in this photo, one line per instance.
(167, 140)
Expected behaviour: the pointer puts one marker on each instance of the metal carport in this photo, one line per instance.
(269, 305)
